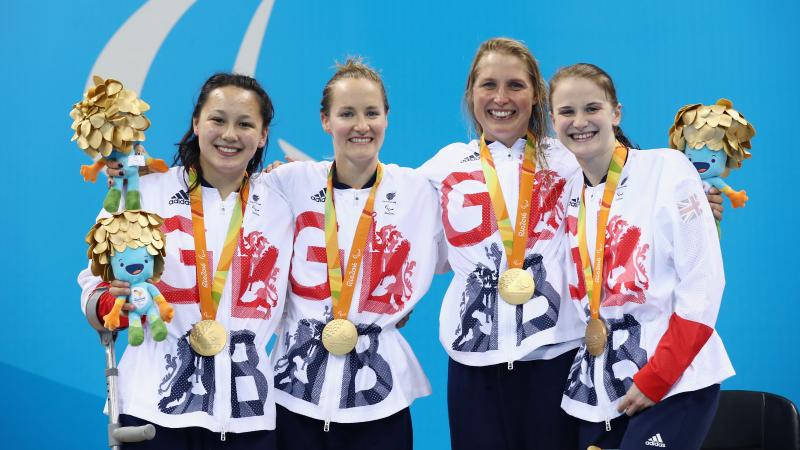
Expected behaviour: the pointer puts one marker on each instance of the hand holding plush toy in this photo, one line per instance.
(130, 246)
(107, 122)
(715, 139)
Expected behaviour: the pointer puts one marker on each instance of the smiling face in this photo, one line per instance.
(229, 130)
(709, 163)
(584, 118)
(502, 97)
(133, 265)
(356, 121)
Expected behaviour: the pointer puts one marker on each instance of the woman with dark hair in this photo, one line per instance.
(226, 270)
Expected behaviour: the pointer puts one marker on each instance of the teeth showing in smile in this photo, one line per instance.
(583, 136)
(500, 114)
(360, 140)
(228, 150)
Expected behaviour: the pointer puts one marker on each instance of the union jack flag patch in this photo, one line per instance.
(690, 208)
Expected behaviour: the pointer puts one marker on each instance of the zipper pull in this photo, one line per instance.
(608, 425)
(511, 365)
(222, 436)
(327, 426)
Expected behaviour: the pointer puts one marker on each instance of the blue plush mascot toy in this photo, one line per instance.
(130, 246)
(107, 123)
(715, 138)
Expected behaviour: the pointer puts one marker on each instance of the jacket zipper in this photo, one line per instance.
(225, 407)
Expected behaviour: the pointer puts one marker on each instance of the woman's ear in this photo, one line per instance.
(326, 122)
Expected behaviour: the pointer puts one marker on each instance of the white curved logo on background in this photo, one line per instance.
(129, 54)
(247, 57)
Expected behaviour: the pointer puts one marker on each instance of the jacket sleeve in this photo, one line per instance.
(687, 224)
(442, 261)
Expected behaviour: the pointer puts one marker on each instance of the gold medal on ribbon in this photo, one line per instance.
(596, 336)
(516, 286)
(208, 337)
(339, 337)
(596, 331)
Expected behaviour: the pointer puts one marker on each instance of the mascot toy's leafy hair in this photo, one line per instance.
(107, 123)
(130, 246)
(715, 138)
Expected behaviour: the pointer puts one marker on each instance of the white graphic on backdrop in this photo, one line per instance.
(290, 151)
(251, 44)
(130, 52)
(128, 55)
(247, 59)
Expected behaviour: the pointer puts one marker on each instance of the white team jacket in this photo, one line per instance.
(381, 375)
(166, 382)
(663, 284)
(476, 327)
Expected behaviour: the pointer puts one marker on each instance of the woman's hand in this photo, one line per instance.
(119, 288)
(404, 320)
(715, 202)
(115, 169)
(634, 401)
(275, 164)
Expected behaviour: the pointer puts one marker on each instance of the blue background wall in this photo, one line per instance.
(662, 55)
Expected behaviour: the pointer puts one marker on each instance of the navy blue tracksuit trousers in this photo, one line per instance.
(495, 408)
(298, 432)
(196, 438)
(678, 422)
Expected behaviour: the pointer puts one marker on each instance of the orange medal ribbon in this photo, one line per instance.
(211, 295)
(343, 285)
(594, 277)
(514, 241)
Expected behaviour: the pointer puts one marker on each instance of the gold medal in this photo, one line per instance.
(516, 286)
(339, 337)
(596, 336)
(208, 337)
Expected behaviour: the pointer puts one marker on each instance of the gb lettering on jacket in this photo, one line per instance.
(254, 293)
(468, 217)
(386, 270)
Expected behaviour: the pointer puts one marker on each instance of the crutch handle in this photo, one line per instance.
(134, 434)
(90, 309)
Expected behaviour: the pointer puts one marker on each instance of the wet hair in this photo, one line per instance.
(537, 124)
(353, 68)
(602, 80)
(188, 154)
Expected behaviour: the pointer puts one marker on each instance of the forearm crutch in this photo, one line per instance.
(117, 435)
